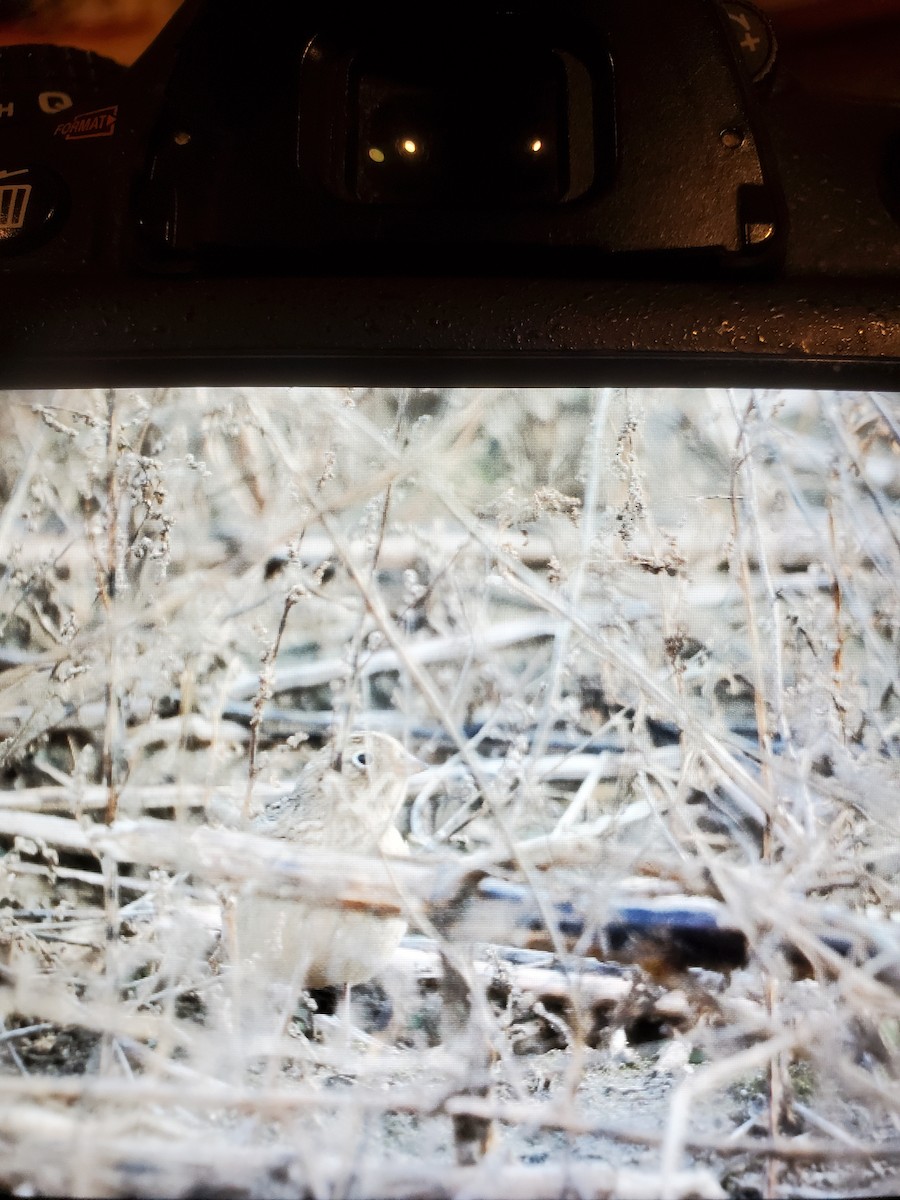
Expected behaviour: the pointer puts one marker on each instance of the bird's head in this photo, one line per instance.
(375, 766)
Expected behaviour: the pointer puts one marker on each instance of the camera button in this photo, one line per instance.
(755, 38)
(34, 202)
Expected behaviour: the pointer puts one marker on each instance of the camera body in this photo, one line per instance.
(327, 192)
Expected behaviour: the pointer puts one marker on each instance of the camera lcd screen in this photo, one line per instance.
(643, 645)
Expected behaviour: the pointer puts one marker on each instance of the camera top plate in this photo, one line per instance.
(313, 197)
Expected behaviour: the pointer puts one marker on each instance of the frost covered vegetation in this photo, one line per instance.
(647, 644)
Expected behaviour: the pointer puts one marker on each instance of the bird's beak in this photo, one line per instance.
(413, 764)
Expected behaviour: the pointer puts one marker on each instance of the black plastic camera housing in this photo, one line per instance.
(579, 193)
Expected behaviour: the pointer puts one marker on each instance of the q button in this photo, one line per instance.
(54, 102)
(33, 203)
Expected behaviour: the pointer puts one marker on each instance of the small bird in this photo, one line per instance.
(345, 802)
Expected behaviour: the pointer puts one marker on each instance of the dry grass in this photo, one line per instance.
(648, 642)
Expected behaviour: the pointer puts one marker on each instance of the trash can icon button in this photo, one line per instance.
(31, 206)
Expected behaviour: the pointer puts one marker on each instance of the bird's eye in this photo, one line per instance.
(360, 760)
